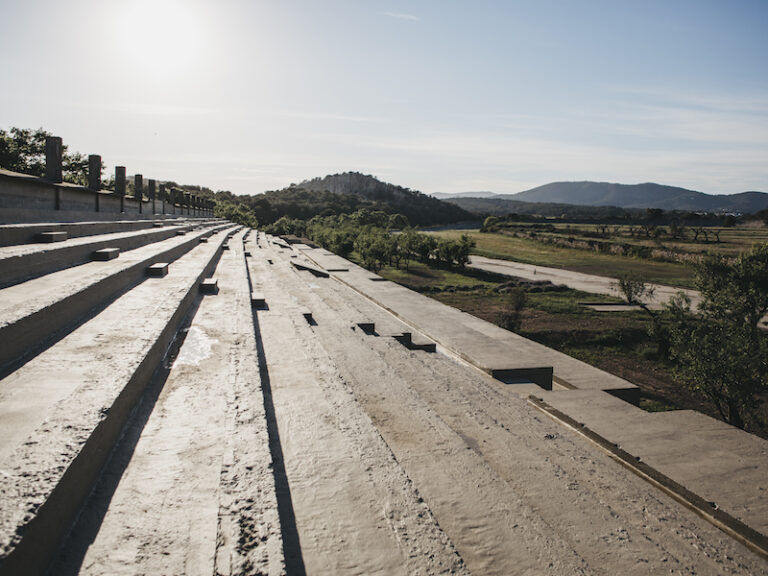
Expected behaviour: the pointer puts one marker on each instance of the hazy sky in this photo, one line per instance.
(435, 95)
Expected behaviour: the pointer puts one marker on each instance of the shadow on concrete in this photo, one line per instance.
(294, 561)
(91, 517)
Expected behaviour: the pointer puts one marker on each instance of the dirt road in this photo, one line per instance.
(576, 280)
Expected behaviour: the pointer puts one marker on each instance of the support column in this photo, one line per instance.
(94, 177)
(162, 196)
(138, 190)
(151, 194)
(120, 185)
(53, 172)
(53, 156)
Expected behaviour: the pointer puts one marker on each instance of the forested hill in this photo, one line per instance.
(420, 209)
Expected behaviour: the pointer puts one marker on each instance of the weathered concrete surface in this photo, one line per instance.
(383, 459)
(720, 463)
(480, 343)
(12, 234)
(356, 511)
(576, 280)
(514, 492)
(26, 261)
(33, 312)
(191, 490)
(62, 412)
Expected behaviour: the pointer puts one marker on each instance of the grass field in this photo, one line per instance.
(533, 252)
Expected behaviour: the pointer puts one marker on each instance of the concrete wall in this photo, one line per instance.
(29, 199)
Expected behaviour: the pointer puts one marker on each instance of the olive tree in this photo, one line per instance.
(723, 354)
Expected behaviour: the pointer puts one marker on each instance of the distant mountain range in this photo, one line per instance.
(626, 196)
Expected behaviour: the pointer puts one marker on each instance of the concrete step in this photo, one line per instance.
(62, 413)
(15, 234)
(19, 263)
(37, 312)
(716, 461)
(209, 422)
(498, 352)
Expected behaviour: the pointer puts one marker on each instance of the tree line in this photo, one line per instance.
(377, 238)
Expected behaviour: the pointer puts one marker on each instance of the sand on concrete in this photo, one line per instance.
(379, 459)
(512, 491)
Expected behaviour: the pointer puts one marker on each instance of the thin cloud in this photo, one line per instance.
(401, 16)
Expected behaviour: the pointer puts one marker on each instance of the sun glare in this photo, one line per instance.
(160, 37)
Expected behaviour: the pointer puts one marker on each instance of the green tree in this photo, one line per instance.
(636, 292)
(511, 315)
(398, 222)
(490, 224)
(23, 150)
(723, 354)
(237, 213)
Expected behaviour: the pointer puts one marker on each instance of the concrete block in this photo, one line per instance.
(52, 236)
(209, 286)
(158, 270)
(247, 253)
(367, 327)
(203, 239)
(406, 339)
(538, 375)
(258, 300)
(225, 247)
(311, 269)
(181, 232)
(106, 254)
(158, 224)
(307, 313)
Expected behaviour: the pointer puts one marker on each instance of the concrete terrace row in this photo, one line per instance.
(211, 400)
(79, 347)
(725, 466)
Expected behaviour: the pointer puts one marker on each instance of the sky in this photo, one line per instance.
(434, 95)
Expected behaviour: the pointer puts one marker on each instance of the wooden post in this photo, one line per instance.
(138, 189)
(94, 176)
(120, 185)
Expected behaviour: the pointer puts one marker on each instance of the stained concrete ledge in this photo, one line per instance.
(480, 343)
(36, 312)
(15, 234)
(716, 470)
(20, 263)
(59, 429)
